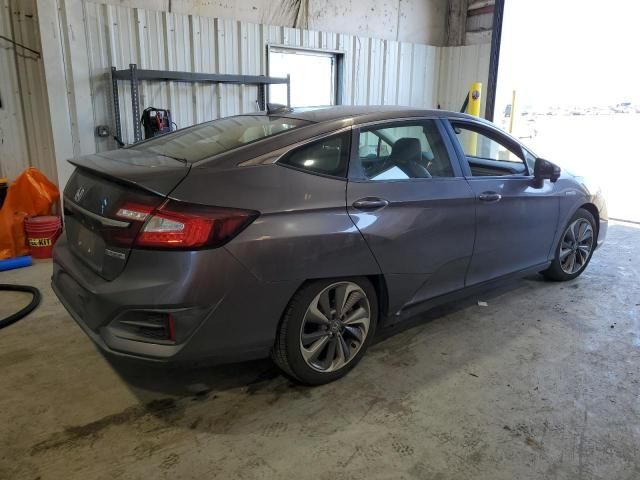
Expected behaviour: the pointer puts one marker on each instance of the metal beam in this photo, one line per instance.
(492, 83)
(192, 77)
(135, 102)
(481, 11)
(456, 22)
(116, 105)
(481, 4)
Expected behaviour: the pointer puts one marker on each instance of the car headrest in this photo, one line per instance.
(406, 150)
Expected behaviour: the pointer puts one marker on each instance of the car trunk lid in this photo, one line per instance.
(99, 186)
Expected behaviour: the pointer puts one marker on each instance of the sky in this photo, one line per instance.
(570, 52)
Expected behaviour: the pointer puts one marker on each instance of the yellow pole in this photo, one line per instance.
(475, 98)
(513, 111)
(473, 108)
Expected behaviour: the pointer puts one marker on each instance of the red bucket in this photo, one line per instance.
(42, 233)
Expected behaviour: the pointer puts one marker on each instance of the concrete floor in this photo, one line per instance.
(542, 383)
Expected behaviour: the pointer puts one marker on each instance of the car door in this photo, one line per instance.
(516, 220)
(407, 196)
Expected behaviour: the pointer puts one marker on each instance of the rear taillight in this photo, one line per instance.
(183, 226)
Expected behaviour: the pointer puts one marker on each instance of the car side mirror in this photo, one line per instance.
(545, 170)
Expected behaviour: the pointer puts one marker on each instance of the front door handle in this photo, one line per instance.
(370, 203)
(490, 196)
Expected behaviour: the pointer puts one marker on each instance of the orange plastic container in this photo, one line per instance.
(42, 233)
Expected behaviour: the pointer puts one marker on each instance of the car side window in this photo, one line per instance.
(328, 156)
(488, 155)
(402, 150)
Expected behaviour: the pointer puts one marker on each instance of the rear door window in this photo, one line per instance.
(329, 156)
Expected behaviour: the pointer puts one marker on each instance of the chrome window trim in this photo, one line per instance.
(395, 120)
(276, 155)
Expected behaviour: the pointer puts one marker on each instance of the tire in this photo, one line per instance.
(303, 347)
(581, 251)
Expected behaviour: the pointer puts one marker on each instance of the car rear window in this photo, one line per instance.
(218, 136)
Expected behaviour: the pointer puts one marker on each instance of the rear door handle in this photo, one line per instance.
(370, 203)
(490, 196)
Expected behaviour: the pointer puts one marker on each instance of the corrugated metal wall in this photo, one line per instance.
(459, 68)
(25, 132)
(375, 71)
(82, 39)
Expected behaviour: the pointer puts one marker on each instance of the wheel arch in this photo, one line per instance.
(377, 280)
(593, 210)
(555, 271)
(380, 285)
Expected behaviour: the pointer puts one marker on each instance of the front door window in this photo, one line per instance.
(489, 155)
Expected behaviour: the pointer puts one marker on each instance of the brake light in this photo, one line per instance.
(185, 226)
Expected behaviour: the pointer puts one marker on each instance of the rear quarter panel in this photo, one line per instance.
(303, 231)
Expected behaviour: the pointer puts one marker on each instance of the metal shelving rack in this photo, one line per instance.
(135, 75)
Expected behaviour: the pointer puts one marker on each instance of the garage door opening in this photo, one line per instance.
(571, 94)
(314, 76)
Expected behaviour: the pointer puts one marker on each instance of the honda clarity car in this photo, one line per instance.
(298, 234)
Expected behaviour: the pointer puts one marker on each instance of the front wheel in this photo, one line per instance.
(575, 248)
(326, 329)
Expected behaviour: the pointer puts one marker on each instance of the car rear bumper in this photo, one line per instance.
(222, 311)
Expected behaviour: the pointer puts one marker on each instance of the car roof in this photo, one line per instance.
(324, 120)
(364, 113)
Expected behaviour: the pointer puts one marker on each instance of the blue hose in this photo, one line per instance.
(16, 262)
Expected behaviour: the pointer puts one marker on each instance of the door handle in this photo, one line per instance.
(490, 196)
(370, 203)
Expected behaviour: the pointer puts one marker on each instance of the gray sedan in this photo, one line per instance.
(297, 234)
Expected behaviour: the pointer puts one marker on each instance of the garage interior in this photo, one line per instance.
(532, 379)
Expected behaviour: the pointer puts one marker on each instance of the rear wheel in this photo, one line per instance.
(575, 248)
(326, 329)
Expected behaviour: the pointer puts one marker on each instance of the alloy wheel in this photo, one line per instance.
(335, 326)
(576, 246)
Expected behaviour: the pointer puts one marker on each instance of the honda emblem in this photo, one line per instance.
(79, 194)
